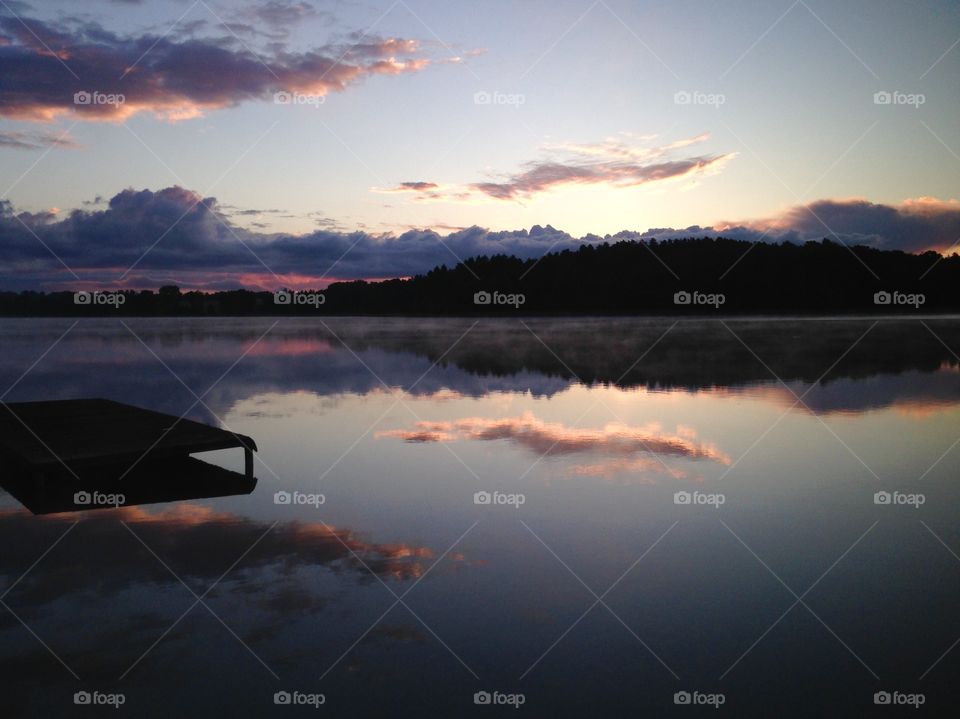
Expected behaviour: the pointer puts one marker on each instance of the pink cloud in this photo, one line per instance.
(541, 437)
(45, 67)
(612, 163)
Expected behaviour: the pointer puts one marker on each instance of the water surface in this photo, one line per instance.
(594, 588)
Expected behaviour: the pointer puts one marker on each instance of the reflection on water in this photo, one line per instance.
(147, 482)
(201, 542)
(543, 357)
(628, 448)
(398, 594)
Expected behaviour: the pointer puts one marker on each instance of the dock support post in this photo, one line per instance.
(248, 462)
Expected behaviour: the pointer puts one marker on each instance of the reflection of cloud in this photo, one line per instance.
(418, 436)
(396, 633)
(542, 437)
(922, 410)
(623, 465)
(198, 543)
(500, 361)
(102, 599)
(911, 393)
(280, 347)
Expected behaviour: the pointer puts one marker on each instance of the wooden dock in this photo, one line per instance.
(150, 482)
(45, 438)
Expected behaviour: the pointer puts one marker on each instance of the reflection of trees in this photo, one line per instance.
(694, 354)
(101, 358)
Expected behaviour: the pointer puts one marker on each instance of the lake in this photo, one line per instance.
(556, 517)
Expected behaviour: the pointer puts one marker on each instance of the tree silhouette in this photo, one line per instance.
(628, 277)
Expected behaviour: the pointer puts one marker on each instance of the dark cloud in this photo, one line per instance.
(915, 225)
(177, 232)
(418, 186)
(45, 66)
(176, 235)
(231, 210)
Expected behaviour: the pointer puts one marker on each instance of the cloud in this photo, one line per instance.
(914, 225)
(920, 224)
(542, 177)
(619, 148)
(385, 48)
(539, 437)
(20, 140)
(613, 163)
(415, 186)
(46, 65)
(175, 235)
(283, 13)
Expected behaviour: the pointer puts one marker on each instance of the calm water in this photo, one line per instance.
(592, 589)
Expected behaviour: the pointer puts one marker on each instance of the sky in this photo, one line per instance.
(294, 142)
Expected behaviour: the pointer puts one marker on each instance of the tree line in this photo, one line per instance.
(693, 276)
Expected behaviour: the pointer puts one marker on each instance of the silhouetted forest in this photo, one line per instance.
(690, 276)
